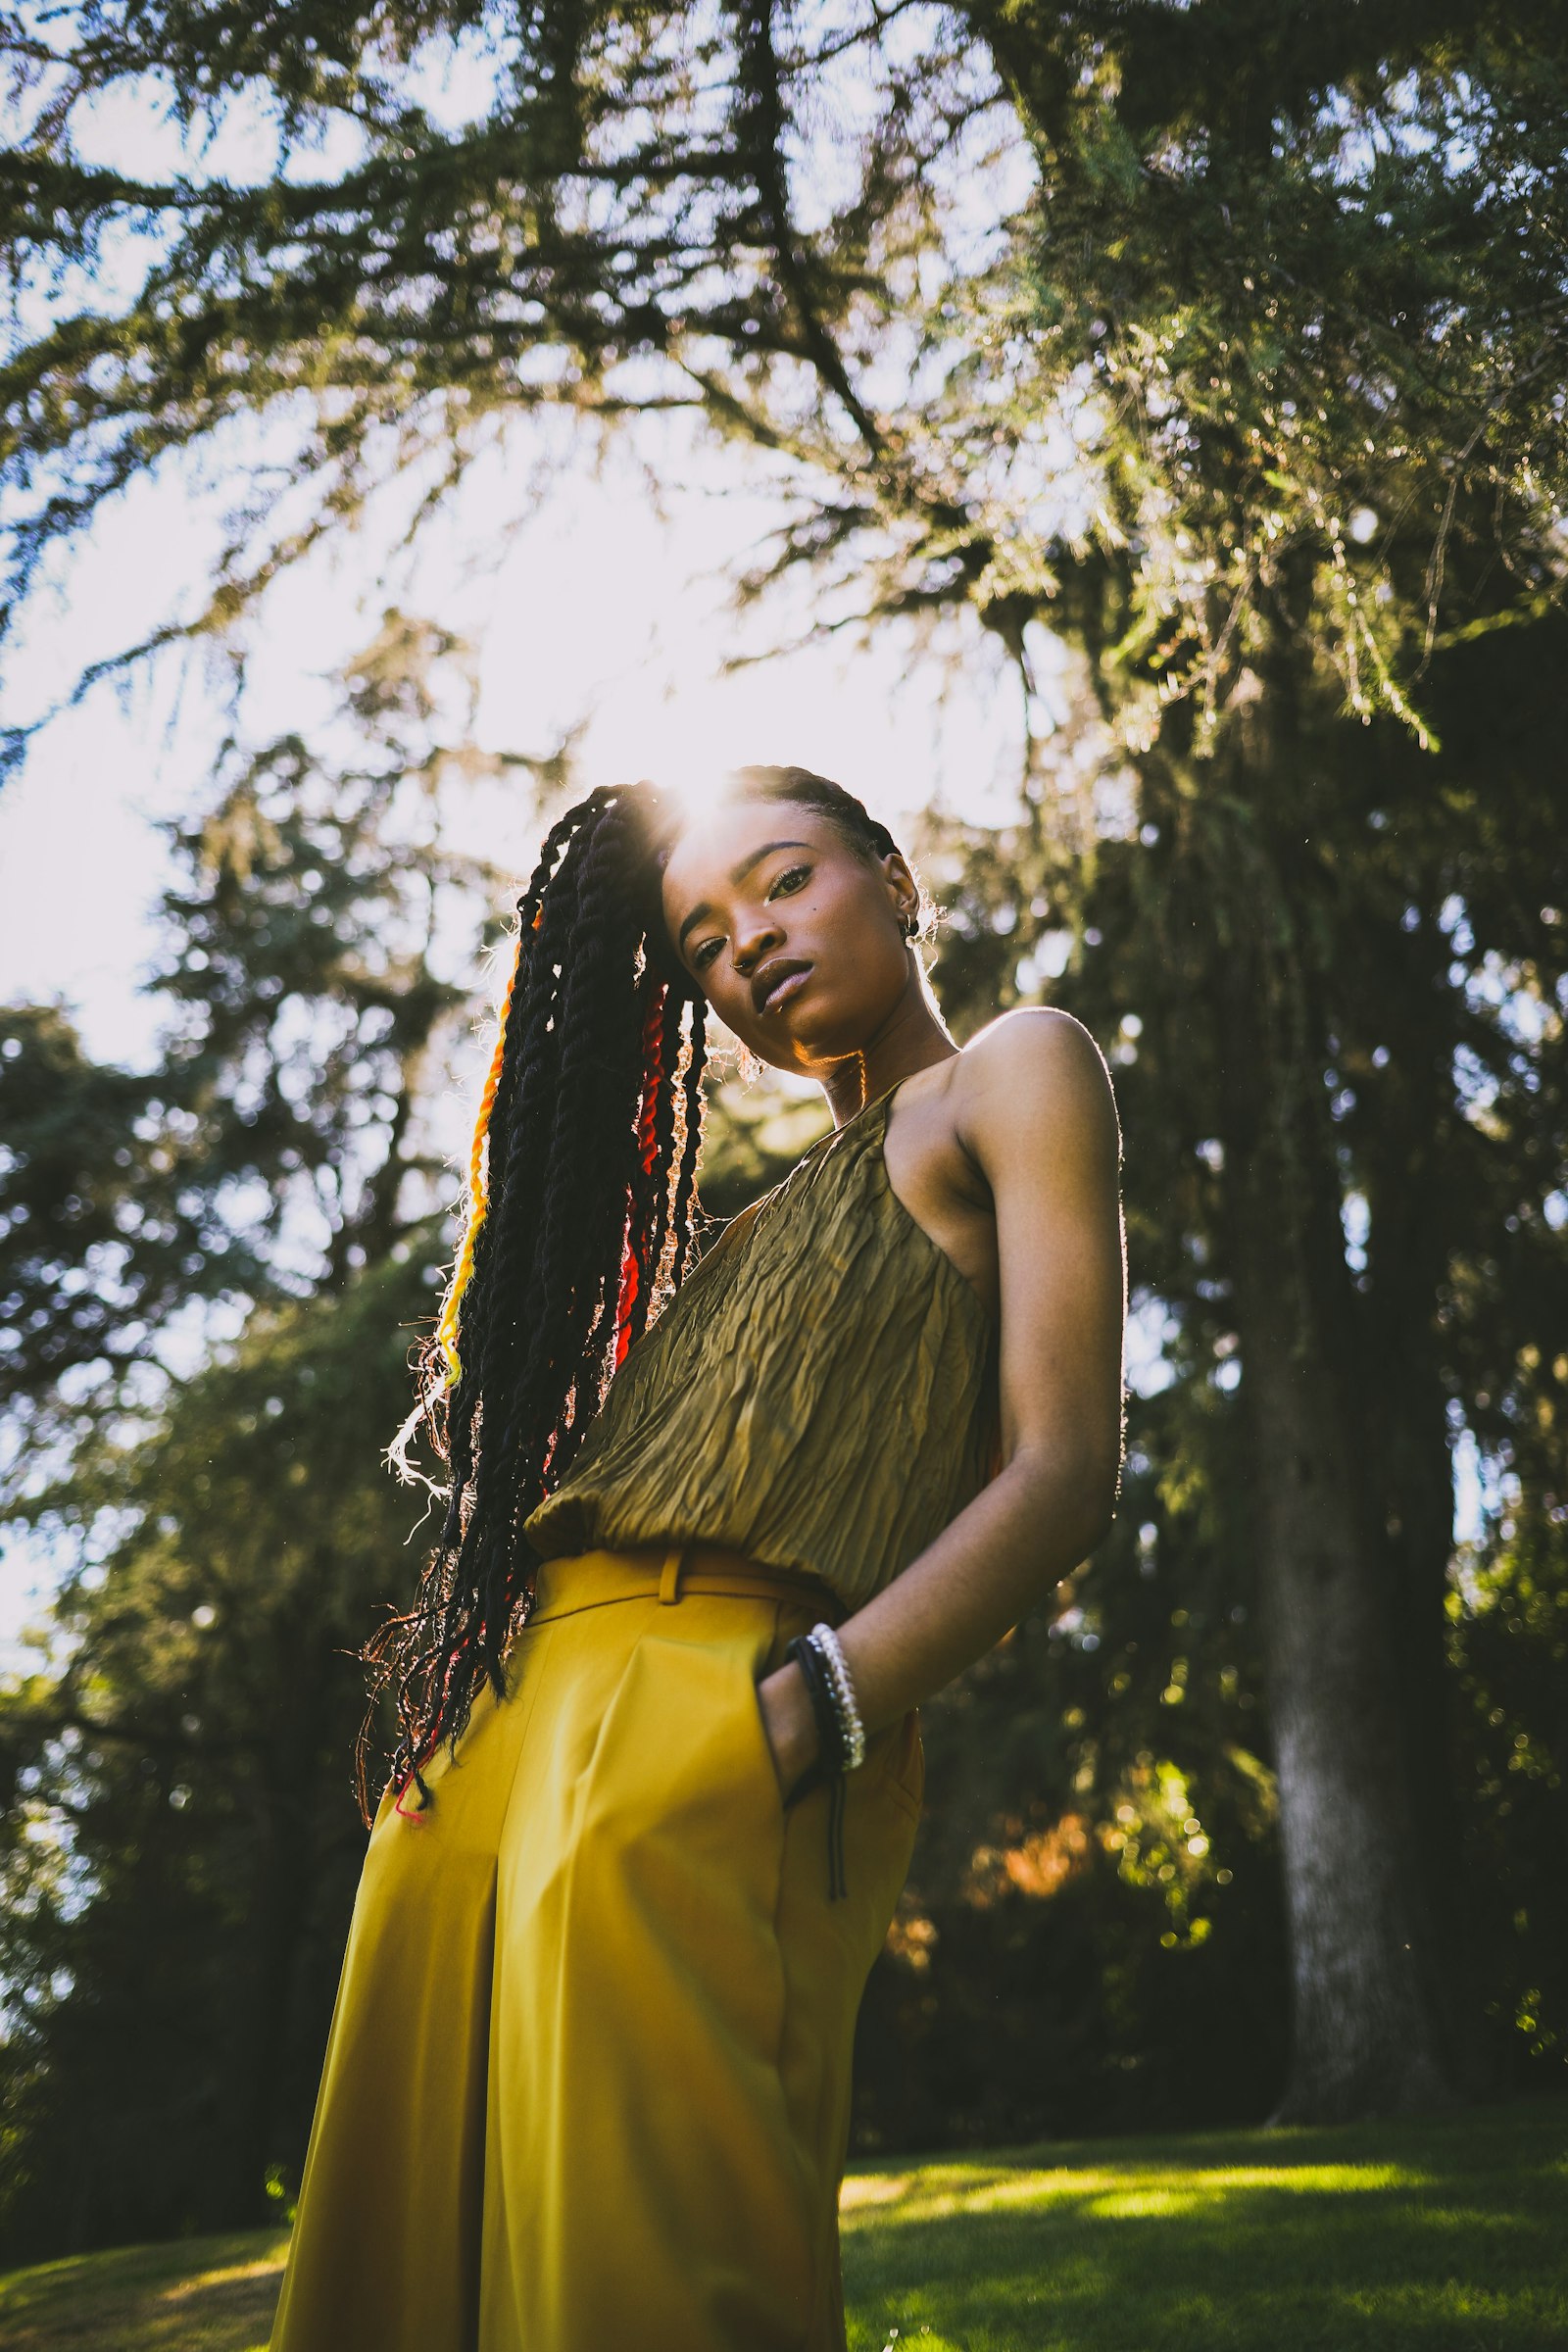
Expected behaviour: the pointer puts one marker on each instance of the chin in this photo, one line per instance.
(806, 1038)
(811, 1054)
(802, 1063)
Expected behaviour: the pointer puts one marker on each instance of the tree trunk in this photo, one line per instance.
(1409, 1182)
(1368, 2022)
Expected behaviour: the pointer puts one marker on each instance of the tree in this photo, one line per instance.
(1423, 938)
(180, 1836)
(1249, 390)
(1302, 344)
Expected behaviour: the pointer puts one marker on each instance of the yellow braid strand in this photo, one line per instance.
(479, 1187)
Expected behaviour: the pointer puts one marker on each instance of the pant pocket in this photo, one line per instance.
(680, 1822)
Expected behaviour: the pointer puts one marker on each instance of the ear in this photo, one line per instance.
(904, 892)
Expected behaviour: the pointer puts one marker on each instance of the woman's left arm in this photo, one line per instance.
(1039, 1120)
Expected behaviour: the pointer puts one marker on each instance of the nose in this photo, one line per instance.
(754, 940)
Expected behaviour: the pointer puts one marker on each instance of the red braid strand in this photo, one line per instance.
(631, 1264)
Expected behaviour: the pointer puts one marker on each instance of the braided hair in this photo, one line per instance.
(582, 1216)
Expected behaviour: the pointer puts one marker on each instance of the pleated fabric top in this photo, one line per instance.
(820, 1394)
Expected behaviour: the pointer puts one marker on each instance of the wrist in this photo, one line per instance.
(790, 1723)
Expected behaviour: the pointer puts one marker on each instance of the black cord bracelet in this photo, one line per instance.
(831, 1748)
(824, 1708)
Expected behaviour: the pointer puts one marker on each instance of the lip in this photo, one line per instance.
(780, 980)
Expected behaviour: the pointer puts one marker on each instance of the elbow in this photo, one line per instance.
(1100, 1493)
(1075, 1495)
(1100, 1520)
(1093, 1515)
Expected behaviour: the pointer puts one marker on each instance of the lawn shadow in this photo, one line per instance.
(193, 2295)
(1387, 2238)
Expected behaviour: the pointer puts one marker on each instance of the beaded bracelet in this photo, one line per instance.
(840, 1737)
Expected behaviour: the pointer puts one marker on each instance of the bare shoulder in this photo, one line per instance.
(1034, 1082)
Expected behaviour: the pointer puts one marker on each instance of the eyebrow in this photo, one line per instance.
(737, 875)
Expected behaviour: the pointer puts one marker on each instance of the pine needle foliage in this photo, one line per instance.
(1187, 330)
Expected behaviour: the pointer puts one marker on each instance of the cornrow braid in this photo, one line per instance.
(852, 821)
(581, 1214)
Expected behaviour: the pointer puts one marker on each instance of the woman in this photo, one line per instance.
(659, 1768)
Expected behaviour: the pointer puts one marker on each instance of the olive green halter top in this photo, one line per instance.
(819, 1393)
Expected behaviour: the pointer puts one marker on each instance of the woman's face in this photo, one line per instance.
(795, 941)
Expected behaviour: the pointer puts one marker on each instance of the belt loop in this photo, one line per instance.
(669, 1580)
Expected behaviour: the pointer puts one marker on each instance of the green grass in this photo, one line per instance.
(1389, 2238)
(197, 2295)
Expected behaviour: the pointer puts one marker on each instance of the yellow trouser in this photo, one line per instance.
(588, 2080)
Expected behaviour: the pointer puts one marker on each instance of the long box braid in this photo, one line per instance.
(581, 1213)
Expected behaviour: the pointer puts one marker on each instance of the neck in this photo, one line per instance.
(913, 1038)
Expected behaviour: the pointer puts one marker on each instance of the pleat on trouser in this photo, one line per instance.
(588, 2077)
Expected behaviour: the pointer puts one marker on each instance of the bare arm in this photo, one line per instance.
(1040, 1121)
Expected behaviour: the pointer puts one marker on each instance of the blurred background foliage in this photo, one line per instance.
(1224, 345)
(1094, 1935)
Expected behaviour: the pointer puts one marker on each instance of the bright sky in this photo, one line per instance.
(585, 605)
(592, 607)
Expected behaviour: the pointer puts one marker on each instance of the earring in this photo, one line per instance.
(911, 926)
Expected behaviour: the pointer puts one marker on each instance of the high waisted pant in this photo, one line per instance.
(588, 2080)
